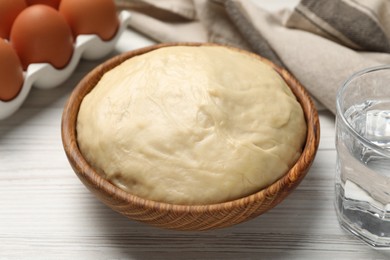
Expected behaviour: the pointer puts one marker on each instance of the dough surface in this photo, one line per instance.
(191, 125)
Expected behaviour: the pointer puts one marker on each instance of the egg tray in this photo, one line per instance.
(45, 76)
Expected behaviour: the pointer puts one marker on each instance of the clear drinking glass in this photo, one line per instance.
(362, 183)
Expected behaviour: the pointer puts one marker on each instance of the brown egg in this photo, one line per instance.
(9, 9)
(11, 72)
(53, 3)
(41, 34)
(91, 17)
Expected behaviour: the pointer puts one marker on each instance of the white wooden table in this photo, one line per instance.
(46, 213)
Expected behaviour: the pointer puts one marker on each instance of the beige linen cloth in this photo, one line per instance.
(321, 42)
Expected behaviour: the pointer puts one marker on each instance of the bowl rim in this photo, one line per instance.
(93, 180)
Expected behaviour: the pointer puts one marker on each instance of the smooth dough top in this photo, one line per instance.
(191, 125)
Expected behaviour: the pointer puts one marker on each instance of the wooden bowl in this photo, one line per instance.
(182, 217)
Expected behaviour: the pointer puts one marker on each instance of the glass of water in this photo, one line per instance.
(362, 182)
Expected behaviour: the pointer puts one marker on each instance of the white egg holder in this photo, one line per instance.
(45, 76)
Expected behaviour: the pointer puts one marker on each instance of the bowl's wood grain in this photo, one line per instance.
(180, 217)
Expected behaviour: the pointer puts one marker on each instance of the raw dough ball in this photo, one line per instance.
(191, 125)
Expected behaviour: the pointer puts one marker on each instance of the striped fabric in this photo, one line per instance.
(352, 23)
(321, 42)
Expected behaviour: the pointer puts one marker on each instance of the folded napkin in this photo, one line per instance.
(320, 42)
